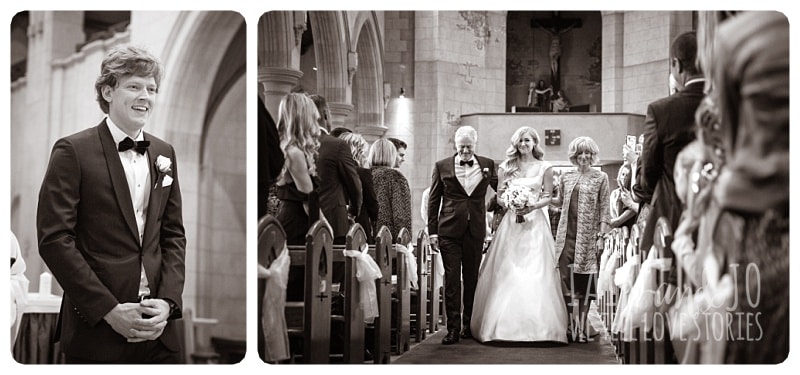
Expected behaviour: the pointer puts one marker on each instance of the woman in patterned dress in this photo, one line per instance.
(583, 224)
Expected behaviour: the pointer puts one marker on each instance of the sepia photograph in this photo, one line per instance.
(523, 187)
(128, 182)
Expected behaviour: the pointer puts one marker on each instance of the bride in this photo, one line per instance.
(518, 296)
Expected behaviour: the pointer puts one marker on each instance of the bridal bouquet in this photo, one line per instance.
(519, 197)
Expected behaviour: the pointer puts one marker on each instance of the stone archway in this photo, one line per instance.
(197, 103)
(331, 43)
(367, 81)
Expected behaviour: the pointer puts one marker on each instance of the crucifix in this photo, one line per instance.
(555, 26)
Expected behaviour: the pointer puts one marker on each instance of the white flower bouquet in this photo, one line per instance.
(519, 198)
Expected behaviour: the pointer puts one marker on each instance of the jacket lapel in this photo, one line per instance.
(156, 196)
(450, 172)
(118, 180)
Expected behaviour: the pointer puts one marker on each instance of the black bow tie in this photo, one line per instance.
(463, 162)
(128, 143)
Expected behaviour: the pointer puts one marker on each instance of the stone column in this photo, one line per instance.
(339, 112)
(612, 73)
(274, 83)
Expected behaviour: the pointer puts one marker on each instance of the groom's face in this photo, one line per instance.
(131, 102)
(465, 148)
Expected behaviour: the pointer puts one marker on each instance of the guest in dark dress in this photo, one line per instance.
(369, 208)
(299, 133)
(583, 224)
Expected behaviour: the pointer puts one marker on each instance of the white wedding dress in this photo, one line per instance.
(518, 296)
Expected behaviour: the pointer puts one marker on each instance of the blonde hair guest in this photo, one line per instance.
(583, 224)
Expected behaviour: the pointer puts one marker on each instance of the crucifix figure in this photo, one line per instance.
(555, 26)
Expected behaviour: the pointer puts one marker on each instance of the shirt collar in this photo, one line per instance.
(696, 80)
(118, 135)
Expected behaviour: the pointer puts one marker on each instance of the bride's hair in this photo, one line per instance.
(511, 164)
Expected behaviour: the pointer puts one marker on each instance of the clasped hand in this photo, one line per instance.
(127, 319)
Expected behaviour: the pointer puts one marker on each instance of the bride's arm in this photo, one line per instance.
(545, 198)
(501, 186)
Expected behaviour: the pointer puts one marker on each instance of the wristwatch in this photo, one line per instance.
(174, 310)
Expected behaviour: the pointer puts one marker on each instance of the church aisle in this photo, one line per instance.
(431, 351)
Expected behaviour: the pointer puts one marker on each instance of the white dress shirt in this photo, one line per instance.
(469, 177)
(137, 173)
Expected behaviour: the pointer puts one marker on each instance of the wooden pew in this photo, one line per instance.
(662, 240)
(383, 253)
(353, 318)
(317, 257)
(402, 323)
(419, 313)
(271, 241)
(354, 325)
(634, 343)
(622, 350)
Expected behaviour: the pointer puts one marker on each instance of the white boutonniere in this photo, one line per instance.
(164, 166)
(485, 172)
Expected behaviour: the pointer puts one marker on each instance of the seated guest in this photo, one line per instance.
(391, 188)
(560, 102)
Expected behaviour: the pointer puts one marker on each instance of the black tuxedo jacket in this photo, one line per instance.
(338, 183)
(459, 212)
(668, 128)
(89, 240)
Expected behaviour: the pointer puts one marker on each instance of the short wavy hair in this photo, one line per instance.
(466, 132)
(581, 144)
(123, 61)
(358, 147)
(382, 153)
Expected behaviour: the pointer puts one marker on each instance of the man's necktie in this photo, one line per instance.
(463, 162)
(128, 143)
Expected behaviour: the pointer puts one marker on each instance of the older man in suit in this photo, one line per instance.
(110, 226)
(458, 187)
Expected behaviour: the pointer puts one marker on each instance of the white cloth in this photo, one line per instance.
(518, 296)
(137, 173)
(624, 278)
(640, 307)
(19, 288)
(438, 272)
(411, 264)
(367, 271)
(276, 338)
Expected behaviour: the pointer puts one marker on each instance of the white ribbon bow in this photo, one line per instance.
(367, 271)
(411, 264)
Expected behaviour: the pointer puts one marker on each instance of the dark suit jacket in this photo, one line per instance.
(668, 128)
(339, 183)
(89, 240)
(369, 207)
(270, 156)
(459, 212)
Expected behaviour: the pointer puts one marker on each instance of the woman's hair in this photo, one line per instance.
(581, 144)
(358, 147)
(122, 61)
(297, 126)
(511, 164)
(383, 153)
(625, 184)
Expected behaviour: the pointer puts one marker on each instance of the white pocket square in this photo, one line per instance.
(167, 181)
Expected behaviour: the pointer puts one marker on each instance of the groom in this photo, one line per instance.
(110, 226)
(457, 225)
